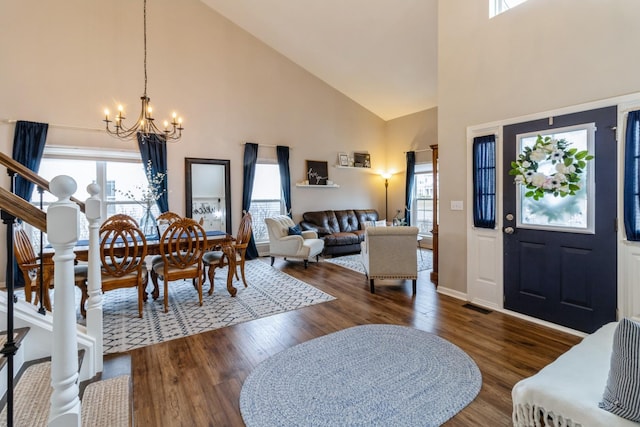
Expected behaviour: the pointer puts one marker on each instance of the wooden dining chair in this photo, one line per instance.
(119, 217)
(182, 245)
(123, 249)
(169, 216)
(164, 220)
(30, 264)
(216, 259)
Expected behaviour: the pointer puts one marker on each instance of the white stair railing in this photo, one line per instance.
(63, 231)
(93, 208)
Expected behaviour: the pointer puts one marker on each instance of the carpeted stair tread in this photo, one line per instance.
(32, 395)
(106, 403)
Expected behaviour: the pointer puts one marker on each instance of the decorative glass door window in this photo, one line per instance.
(573, 214)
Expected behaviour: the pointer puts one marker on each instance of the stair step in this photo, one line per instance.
(18, 336)
(104, 403)
(31, 397)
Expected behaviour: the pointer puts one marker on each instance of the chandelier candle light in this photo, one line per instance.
(145, 124)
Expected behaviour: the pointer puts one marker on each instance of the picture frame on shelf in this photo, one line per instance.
(317, 172)
(361, 160)
(343, 159)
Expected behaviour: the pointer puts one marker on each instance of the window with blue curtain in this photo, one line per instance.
(632, 177)
(484, 181)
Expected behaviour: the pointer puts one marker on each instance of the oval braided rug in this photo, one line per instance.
(366, 375)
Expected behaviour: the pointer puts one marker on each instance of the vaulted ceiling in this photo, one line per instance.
(380, 53)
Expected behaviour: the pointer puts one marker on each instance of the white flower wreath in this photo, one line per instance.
(569, 165)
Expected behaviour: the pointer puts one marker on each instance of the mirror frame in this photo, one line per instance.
(188, 180)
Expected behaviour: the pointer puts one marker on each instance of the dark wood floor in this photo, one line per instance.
(196, 381)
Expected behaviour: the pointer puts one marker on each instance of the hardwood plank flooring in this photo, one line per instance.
(196, 381)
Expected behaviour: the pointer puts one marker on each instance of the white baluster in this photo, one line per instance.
(62, 230)
(92, 209)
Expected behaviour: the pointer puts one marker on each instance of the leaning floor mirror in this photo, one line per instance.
(207, 193)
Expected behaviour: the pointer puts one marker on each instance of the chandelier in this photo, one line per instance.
(145, 124)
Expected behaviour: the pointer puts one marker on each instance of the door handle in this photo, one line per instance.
(509, 230)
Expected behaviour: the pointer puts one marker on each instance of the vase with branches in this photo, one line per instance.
(146, 196)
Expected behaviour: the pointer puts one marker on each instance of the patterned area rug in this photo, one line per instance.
(270, 291)
(353, 262)
(370, 375)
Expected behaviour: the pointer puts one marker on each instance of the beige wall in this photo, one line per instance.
(414, 132)
(63, 62)
(541, 55)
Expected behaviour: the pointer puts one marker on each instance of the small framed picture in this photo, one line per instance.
(361, 160)
(343, 159)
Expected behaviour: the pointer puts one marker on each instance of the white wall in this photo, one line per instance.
(63, 62)
(542, 55)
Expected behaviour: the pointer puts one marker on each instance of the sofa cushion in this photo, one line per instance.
(622, 392)
(341, 239)
(347, 220)
(325, 222)
(360, 234)
(365, 215)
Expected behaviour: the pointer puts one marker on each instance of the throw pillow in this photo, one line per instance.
(295, 230)
(622, 393)
(381, 223)
(369, 224)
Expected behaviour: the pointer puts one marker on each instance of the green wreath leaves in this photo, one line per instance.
(569, 166)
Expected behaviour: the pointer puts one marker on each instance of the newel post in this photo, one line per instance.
(63, 231)
(93, 209)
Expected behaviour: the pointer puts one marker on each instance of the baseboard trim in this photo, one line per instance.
(452, 293)
(542, 322)
(463, 296)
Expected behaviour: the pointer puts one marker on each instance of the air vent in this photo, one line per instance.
(476, 308)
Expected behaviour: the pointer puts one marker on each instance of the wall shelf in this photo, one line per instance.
(353, 167)
(318, 186)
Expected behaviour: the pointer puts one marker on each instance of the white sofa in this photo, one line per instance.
(281, 243)
(390, 253)
(566, 392)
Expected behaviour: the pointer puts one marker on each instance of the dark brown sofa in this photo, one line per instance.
(341, 230)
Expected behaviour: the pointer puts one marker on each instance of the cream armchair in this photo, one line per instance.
(281, 243)
(390, 253)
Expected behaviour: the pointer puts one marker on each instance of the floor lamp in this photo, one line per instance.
(386, 176)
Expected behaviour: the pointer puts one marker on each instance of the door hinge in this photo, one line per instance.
(615, 225)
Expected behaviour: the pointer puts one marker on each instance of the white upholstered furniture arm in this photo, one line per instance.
(287, 245)
(567, 391)
(309, 234)
(390, 253)
(303, 246)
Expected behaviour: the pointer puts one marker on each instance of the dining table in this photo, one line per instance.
(216, 240)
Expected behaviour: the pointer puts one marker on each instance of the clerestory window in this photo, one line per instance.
(496, 7)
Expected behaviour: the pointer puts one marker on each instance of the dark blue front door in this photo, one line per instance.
(565, 277)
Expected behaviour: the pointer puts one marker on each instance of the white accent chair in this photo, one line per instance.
(390, 253)
(305, 246)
